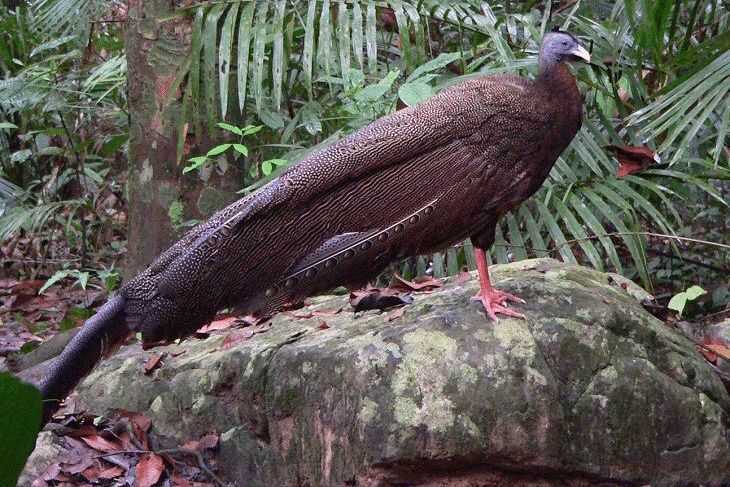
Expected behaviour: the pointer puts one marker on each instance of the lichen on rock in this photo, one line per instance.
(590, 388)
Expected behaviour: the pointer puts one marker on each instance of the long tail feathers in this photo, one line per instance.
(101, 334)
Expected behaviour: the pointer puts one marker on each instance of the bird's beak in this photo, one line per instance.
(657, 159)
(581, 53)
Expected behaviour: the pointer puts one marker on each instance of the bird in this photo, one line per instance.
(412, 182)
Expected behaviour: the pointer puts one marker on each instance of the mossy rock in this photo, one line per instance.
(588, 389)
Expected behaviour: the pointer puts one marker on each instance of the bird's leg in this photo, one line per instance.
(492, 299)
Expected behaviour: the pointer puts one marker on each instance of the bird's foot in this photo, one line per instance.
(494, 300)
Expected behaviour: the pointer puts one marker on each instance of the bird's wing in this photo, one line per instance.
(452, 120)
(453, 114)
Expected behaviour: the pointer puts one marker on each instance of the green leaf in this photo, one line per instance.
(251, 129)
(277, 53)
(440, 62)
(308, 48)
(259, 53)
(62, 274)
(230, 128)
(374, 92)
(555, 232)
(82, 278)
(272, 119)
(224, 56)
(694, 292)
(241, 149)
(414, 93)
(244, 43)
(20, 410)
(8, 125)
(678, 302)
(196, 163)
(219, 149)
(267, 167)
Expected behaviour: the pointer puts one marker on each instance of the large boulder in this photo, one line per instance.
(588, 389)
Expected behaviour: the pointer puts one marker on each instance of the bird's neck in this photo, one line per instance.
(557, 79)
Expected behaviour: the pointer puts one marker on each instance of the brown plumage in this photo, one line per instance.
(410, 183)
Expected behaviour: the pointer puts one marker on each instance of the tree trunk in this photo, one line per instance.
(156, 51)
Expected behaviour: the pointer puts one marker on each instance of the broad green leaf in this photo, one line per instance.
(230, 128)
(245, 31)
(241, 149)
(555, 232)
(371, 43)
(404, 33)
(277, 53)
(515, 238)
(357, 35)
(343, 40)
(414, 92)
(20, 410)
(8, 125)
(308, 48)
(678, 302)
(440, 62)
(251, 129)
(259, 54)
(376, 91)
(694, 292)
(219, 149)
(210, 72)
(224, 56)
(58, 276)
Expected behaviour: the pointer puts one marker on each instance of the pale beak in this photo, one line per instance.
(657, 159)
(581, 53)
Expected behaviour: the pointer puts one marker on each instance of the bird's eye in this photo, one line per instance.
(565, 43)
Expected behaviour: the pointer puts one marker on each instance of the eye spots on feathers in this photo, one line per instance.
(337, 257)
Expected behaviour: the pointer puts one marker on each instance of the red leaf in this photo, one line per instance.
(428, 283)
(208, 442)
(633, 159)
(223, 324)
(144, 422)
(191, 445)
(395, 315)
(321, 313)
(463, 276)
(152, 363)
(149, 469)
(102, 444)
(241, 335)
(709, 355)
(111, 473)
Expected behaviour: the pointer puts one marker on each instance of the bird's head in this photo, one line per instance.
(559, 46)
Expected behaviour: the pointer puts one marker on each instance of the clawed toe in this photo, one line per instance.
(494, 301)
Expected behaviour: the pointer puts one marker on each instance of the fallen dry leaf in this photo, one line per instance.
(719, 350)
(111, 473)
(463, 276)
(149, 470)
(424, 284)
(217, 325)
(395, 315)
(238, 336)
(152, 363)
(208, 442)
(323, 326)
(633, 159)
(102, 444)
(709, 355)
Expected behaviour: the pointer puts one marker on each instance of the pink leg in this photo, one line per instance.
(492, 299)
